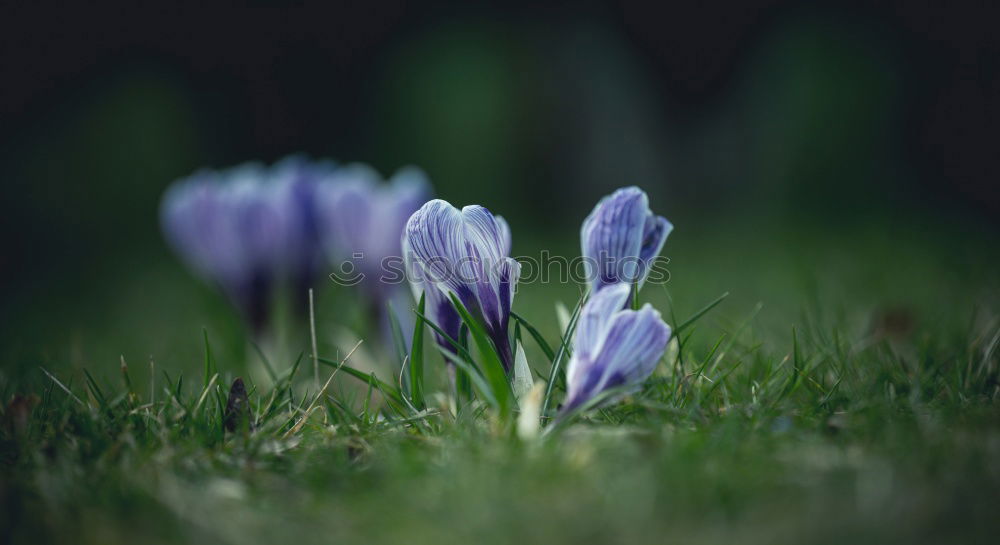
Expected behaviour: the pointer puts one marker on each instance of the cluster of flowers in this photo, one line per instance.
(253, 229)
(613, 346)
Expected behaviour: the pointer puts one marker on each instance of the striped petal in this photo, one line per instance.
(504, 234)
(613, 348)
(593, 323)
(463, 252)
(437, 305)
(620, 238)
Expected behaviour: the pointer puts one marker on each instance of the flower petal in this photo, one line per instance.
(633, 346)
(621, 350)
(654, 234)
(611, 237)
(462, 252)
(595, 317)
(437, 305)
(504, 234)
(436, 237)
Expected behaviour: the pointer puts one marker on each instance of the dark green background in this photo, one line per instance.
(836, 156)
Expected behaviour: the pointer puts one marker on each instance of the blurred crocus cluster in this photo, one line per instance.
(255, 230)
(361, 220)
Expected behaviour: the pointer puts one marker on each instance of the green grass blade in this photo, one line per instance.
(95, 390)
(535, 335)
(293, 370)
(563, 419)
(461, 348)
(463, 387)
(492, 368)
(397, 335)
(388, 389)
(63, 387)
(266, 362)
(557, 360)
(473, 377)
(208, 358)
(700, 313)
(417, 358)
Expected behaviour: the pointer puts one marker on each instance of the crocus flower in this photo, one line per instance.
(361, 220)
(613, 347)
(437, 305)
(620, 239)
(232, 231)
(465, 253)
(299, 181)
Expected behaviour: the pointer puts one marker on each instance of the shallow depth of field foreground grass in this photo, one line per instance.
(858, 405)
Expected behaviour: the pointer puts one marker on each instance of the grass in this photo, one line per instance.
(862, 409)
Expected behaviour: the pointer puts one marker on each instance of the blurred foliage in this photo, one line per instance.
(788, 181)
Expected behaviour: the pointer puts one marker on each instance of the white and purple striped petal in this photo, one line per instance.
(613, 347)
(437, 306)
(465, 253)
(620, 239)
(504, 234)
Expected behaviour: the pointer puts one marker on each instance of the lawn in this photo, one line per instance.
(846, 390)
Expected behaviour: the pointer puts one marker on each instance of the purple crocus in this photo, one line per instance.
(363, 218)
(465, 253)
(613, 347)
(299, 181)
(231, 230)
(361, 221)
(620, 239)
(437, 306)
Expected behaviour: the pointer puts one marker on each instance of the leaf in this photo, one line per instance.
(95, 390)
(417, 358)
(463, 386)
(463, 389)
(563, 348)
(267, 363)
(531, 408)
(461, 348)
(472, 377)
(63, 387)
(603, 398)
(700, 313)
(522, 373)
(565, 418)
(535, 335)
(208, 357)
(492, 368)
(397, 335)
(367, 378)
(562, 315)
